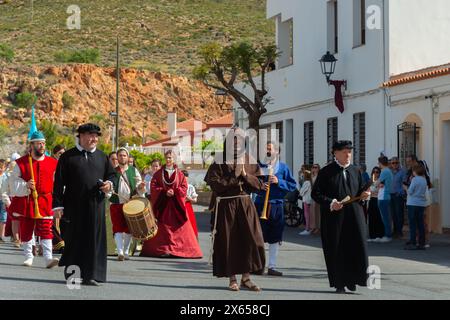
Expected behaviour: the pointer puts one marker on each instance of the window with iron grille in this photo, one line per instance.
(332, 136)
(359, 138)
(309, 143)
(279, 127)
(270, 130)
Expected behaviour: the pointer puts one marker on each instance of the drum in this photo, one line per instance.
(140, 218)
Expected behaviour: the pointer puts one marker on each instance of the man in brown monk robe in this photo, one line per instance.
(238, 244)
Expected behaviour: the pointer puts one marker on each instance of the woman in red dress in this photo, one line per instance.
(175, 236)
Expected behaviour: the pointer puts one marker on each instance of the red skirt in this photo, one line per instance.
(178, 242)
(191, 217)
(119, 224)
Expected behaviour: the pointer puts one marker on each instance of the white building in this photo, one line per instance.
(393, 55)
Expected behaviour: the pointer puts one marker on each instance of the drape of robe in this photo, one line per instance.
(83, 226)
(191, 217)
(344, 232)
(175, 236)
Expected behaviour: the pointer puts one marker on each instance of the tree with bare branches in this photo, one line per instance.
(223, 68)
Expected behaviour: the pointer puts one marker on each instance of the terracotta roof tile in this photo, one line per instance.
(418, 75)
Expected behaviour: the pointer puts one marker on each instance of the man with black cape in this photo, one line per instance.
(343, 225)
(83, 175)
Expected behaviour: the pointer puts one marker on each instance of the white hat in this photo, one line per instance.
(123, 149)
(15, 156)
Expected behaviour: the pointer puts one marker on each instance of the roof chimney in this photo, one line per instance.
(172, 124)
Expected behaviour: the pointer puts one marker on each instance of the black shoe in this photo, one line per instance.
(273, 272)
(91, 283)
(351, 287)
(340, 290)
(410, 246)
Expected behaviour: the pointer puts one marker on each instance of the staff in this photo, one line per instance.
(37, 214)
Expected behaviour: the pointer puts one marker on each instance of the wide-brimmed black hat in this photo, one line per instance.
(342, 144)
(89, 128)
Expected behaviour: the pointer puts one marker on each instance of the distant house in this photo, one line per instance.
(184, 136)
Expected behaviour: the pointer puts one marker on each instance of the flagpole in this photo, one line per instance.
(117, 94)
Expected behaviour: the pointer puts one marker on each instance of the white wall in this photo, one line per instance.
(445, 183)
(303, 82)
(434, 135)
(418, 34)
(319, 114)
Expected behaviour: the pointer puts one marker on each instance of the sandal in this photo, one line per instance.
(248, 284)
(233, 286)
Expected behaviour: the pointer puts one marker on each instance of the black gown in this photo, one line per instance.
(344, 233)
(83, 223)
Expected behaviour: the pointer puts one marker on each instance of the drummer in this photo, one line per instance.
(128, 184)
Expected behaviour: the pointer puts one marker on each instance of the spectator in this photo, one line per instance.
(3, 213)
(58, 150)
(155, 166)
(376, 227)
(416, 203)
(301, 174)
(9, 201)
(384, 197)
(113, 159)
(397, 197)
(365, 175)
(412, 161)
(315, 207)
(131, 161)
(305, 192)
(366, 179)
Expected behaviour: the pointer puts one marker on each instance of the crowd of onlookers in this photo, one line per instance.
(394, 190)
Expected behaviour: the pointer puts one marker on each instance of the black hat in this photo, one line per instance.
(342, 144)
(89, 128)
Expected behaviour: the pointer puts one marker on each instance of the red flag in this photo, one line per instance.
(338, 98)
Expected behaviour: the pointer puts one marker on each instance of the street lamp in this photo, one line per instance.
(328, 66)
(221, 97)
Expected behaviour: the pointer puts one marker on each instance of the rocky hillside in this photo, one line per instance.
(72, 94)
(158, 35)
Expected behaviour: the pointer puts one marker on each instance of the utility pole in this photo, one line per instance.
(117, 94)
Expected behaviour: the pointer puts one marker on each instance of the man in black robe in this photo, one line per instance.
(83, 175)
(343, 225)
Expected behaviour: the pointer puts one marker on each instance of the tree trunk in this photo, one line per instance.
(253, 121)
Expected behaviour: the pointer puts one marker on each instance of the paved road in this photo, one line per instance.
(405, 275)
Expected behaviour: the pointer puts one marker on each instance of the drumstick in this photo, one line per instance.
(116, 194)
(348, 199)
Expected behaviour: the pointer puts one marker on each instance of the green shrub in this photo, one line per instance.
(4, 130)
(25, 100)
(67, 100)
(105, 147)
(155, 136)
(132, 140)
(143, 160)
(78, 56)
(6, 53)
